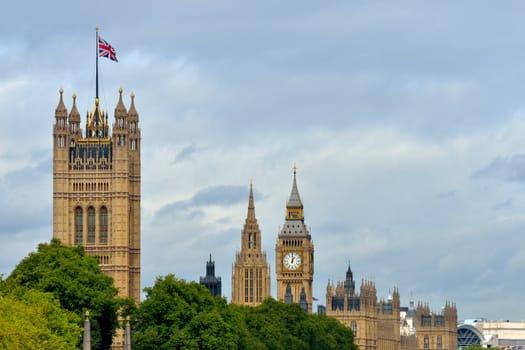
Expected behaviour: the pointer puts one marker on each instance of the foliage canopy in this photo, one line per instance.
(180, 315)
(76, 281)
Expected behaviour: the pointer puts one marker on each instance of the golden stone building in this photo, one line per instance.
(375, 324)
(294, 254)
(96, 189)
(251, 272)
(437, 331)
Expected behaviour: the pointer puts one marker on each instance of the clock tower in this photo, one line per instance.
(294, 252)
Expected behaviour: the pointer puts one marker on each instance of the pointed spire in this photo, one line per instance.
(74, 115)
(251, 205)
(132, 111)
(96, 126)
(120, 110)
(61, 108)
(294, 200)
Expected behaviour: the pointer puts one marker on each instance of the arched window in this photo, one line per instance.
(79, 226)
(353, 326)
(103, 225)
(91, 225)
(439, 342)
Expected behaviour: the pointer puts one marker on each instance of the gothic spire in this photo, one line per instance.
(61, 110)
(120, 110)
(294, 206)
(251, 205)
(97, 126)
(74, 115)
(251, 234)
(132, 111)
(295, 200)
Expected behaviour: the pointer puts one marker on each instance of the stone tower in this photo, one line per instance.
(96, 189)
(294, 252)
(210, 281)
(251, 272)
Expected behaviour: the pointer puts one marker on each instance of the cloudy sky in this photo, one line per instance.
(406, 121)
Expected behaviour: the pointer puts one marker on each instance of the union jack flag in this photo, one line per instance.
(106, 50)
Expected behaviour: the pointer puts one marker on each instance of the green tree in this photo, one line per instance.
(281, 326)
(31, 319)
(180, 315)
(76, 281)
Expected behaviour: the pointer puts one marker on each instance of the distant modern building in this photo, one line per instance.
(492, 334)
(210, 281)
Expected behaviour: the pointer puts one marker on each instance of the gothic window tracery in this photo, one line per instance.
(91, 225)
(103, 225)
(79, 223)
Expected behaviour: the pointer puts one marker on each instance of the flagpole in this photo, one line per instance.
(96, 46)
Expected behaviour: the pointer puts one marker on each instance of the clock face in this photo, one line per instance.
(292, 261)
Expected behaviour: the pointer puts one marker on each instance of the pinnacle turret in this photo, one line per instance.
(61, 110)
(74, 115)
(120, 110)
(132, 111)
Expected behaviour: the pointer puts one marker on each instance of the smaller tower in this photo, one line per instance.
(210, 281)
(251, 272)
(349, 282)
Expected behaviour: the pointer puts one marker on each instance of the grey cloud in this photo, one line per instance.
(222, 195)
(186, 153)
(504, 205)
(506, 168)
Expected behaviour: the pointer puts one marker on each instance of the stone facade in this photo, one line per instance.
(437, 331)
(294, 253)
(96, 189)
(251, 272)
(375, 323)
